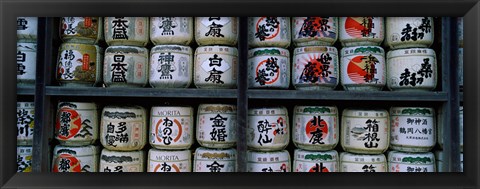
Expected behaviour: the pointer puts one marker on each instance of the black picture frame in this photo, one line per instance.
(9, 10)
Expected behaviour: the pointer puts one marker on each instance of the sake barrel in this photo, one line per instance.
(315, 127)
(408, 32)
(312, 31)
(76, 123)
(269, 32)
(217, 31)
(268, 128)
(350, 162)
(132, 31)
(314, 161)
(216, 67)
(363, 68)
(75, 159)
(411, 162)
(215, 160)
(171, 30)
(26, 63)
(365, 131)
(216, 125)
(413, 129)
(123, 128)
(79, 64)
(171, 66)
(412, 69)
(27, 29)
(88, 30)
(24, 158)
(361, 31)
(269, 68)
(169, 160)
(116, 161)
(25, 123)
(278, 161)
(125, 66)
(171, 127)
(315, 68)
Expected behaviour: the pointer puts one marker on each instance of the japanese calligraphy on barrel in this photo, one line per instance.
(125, 66)
(123, 128)
(363, 68)
(216, 31)
(25, 122)
(132, 31)
(412, 69)
(278, 161)
(315, 127)
(169, 161)
(171, 127)
(269, 68)
(115, 161)
(411, 162)
(27, 29)
(350, 162)
(75, 159)
(171, 66)
(361, 31)
(217, 125)
(216, 67)
(407, 32)
(24, 158)
(171, 30)
(365, 131)
(79, 64)
(215, 160)
(413, 129)
(268, 129)
(315, 68)
(312, 31)
(314, 161)
(26, 63)
(76, 123)
(88, 30)
(269, 32)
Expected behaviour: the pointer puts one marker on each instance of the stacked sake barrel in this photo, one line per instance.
(362, 61)
(411, 67)
(76, 129)
(216, 133)
(26, 50)
(171, 59)
(126, 58)
(365, 137)
(315, 60)
(268, 58)
(268, 134)
(25, 125)
(123, 130)
(315, 134)
(79, 62)
(216, 57)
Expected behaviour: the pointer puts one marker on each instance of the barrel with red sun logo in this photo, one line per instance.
(413, 129)
(408, 32)
(278, 161)
(411, 162)
(269, 32)
(268, 128)
(123, 128)
(315, 127)
(171, 127)
(169, 161)
(88, 30)
(79, 64)
(363, 68)
(25, 123)
(314, 161)
(76, 123)
(171, 30)
(215, 67)
(365, 131)
(269, 68)
(130, 31)
(313, 31)
(350, 162)
(217, 31)
(413, 69)
(116, 161)
(75, 159)
(361, 31)
(215, 160)
(315, 68)
(216, 125)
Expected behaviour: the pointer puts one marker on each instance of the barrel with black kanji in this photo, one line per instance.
(268, 128)
(217, 31)
(125, 66)
(278, 161)
(88, 30)
(131, 31)
(171, 127)
(315, 127)
(75, 159)
(27, 29)
(216, 125)
(115, 161)
(215, 160)
(77, 123)
(409, 32)
(25, 123)
(269, 32)
(171, 30)
(361, 31)
(26, 63)
(314, 31)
